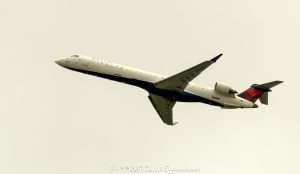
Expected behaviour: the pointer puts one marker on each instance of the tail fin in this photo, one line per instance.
(259, 92)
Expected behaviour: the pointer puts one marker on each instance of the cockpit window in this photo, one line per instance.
(75, 56)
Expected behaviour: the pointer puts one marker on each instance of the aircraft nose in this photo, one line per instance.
(255, 105)
(60, 62)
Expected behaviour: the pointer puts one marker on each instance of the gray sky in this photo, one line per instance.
(54, 121)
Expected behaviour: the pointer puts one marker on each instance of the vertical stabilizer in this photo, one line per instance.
(259, 92)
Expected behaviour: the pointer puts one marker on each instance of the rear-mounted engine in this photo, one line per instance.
(224, 89)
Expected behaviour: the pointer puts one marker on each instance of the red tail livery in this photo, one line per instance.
(259, 92)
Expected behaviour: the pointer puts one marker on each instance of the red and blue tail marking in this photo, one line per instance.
(252, 94)
(259, 92)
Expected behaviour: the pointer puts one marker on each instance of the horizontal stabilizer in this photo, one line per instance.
(267, 86)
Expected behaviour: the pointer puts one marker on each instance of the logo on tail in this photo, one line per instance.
(259, 92)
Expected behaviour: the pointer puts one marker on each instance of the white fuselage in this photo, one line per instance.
(94, 66)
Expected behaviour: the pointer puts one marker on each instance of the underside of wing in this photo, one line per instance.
(178, 82)
(164, 108)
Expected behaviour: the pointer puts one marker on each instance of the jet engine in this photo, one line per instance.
(224, 89)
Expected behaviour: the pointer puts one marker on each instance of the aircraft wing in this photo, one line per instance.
(164, 108)
(178, 82)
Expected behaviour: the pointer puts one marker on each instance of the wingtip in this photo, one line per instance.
(216, 58)
(171, 124)
(279, 81)
(175, 123)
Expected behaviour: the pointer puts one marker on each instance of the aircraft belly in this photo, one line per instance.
(205, 95)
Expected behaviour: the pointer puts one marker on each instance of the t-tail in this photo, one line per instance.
(260, 92)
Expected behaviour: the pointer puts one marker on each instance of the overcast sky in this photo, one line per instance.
(55, 121)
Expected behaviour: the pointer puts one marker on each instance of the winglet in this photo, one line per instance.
(216, 58)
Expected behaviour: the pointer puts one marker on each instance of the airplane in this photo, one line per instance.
(164, 92)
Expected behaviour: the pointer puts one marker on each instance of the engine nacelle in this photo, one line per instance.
(224, 89)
